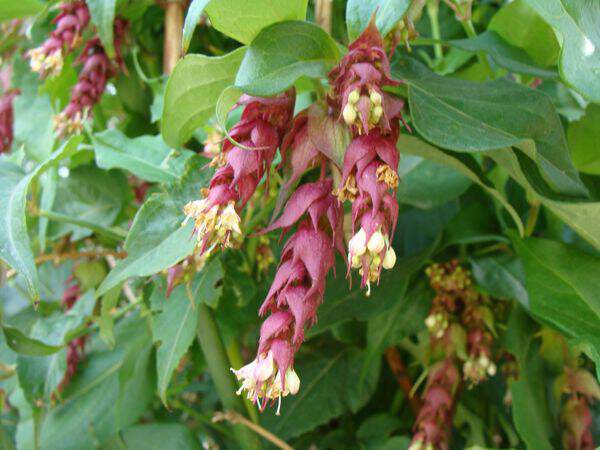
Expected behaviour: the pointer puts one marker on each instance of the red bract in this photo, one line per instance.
(433, 427)
(298, 151)
(358, 82)
(296, 292)
(6, 119)
(244, 160)
(576, 414)
(97, 69)
(70, 23)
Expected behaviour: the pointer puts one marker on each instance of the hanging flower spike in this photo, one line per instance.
(97, 69)
(433, 427)
(47, 59)
(6, 119)
(76, 346)
(259, 133)
(296, 292)
(370, 170)
(358, 82)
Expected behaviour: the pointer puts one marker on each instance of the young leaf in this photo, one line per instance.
(359, 13)
(519, 25)
(102, 13)
(192, 17)
(472, 117)
(580, 43)
(192, 93)
(284, 52)
(243, 22)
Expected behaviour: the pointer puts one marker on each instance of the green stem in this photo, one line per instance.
(481, 56)
(433, 7)
(218, 366)
(111, 233)
(235, 360)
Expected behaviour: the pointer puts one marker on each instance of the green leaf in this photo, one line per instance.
(243, 22)
(192, 17)
(582, 217)
(519, 25)
(282, 53)
(10, 9)
(147, 157)
(39, 376)
(15, 247)
(530, 407)
(156, 240)
(90, 195)
(562, 286)
(359, 13)
(25, 345)
(110, 392)
(584, 141)
(102, 14)
(427, 184)
(580, 42)
(152, 436)
(192, 93)
(501, 277)
(174, 327)
(330, 375)
(468, 167)
(504, 54)
(33, 117)
(467, 116)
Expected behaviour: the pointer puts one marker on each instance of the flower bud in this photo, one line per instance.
(377, 112)
(417, 445)
(353, 97)
(375, 98)
(376, 242)
(292, 381)
(491, 370)
(357, 244)
(430, 321)
(349, 114)
(390, 259)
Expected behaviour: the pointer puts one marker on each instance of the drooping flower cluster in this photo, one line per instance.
(96, 70)
(296, 292)
(370, 171)
(299, 284)
(582, 390)
(76, 346)
(457, 309)
(245, 158)
(6, 119)
(47, 59)
(433, 427)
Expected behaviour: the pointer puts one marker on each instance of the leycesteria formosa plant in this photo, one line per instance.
(243, 224)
